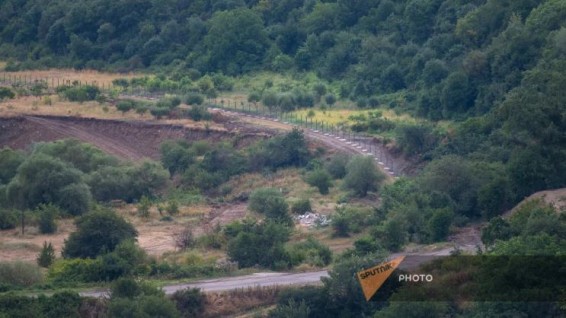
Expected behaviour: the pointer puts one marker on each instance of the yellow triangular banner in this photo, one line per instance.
(371, 279)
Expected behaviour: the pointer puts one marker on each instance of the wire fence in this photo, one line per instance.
(361, 143)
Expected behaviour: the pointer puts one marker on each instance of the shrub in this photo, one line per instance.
(271, 203)
(198, 113)
(189, 302)
(320, 179)
(310, 252)
(8, 219)
(125, 105)
(330, 99)
(172, 207)
(159, 112)
(144, 206)
(362, 176)
(349, 219)
(79, 93)
(6, 93)
(259, 244)
(301, 206)
(337, 166)
(47, 214)
(97, 232)
(20, 274)
(184, 238)
(46, 256)
(439, 224)
(194, 99)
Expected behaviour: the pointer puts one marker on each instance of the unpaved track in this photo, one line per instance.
(390, 165)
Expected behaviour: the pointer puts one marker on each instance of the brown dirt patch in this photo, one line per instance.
(126, 139)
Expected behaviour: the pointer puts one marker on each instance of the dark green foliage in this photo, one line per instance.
(6, 93)
(198, 113)
(47, 215)
(319, 178)
(362, 176)
(497, 229)
(97, 232)
(125, 105)
(79, 93)
(159, 112)
(43, 179)
(133, 299)
(271, 203)
(337, 166)
(282, 151)
(439, 224)
(259, 244)
(301, 206)
(9, 219)
(347, 220)
(60, 304)
(310, 252)
(10, 160)
(194, 99)
(46, 255)
(416, 139)
(190, 302)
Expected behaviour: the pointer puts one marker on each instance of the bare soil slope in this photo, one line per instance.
(131, 140)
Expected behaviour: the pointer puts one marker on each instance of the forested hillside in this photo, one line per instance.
(495, 69)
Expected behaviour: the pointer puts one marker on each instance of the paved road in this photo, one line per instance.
(229, 283)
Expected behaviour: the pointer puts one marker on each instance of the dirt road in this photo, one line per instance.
(393, 166)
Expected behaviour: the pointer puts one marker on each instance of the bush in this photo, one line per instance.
(46, 256)
(310, 252)
(337, 166)
(20, 274)
(198, 113)
(159, 112)
(189, 302)
(439, 224)
(47, 214)
(6, 93)
(301, 206)
(8, 219)
(97, 232)
(362, 176)
(194, 99)
(125, 105)
(79, 93)
(349, 219)
(259, 244)
(271, 203)
(330, 99)
(320, 179)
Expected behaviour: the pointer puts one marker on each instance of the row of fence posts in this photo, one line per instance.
(361, 141)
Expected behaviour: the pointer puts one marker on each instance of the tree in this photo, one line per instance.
(47, 214)
(439, 224)
(98, 232)
(362, 176)
(44, 179)
(271, 203)
(320, 179)
(236, 41)
(144, 206)
(260, 244)
(46, 255)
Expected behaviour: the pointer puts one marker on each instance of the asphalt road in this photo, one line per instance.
(229, 283)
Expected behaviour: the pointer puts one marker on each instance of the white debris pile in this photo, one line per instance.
(312, 219)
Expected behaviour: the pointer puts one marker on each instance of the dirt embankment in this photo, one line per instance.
(125, 139)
